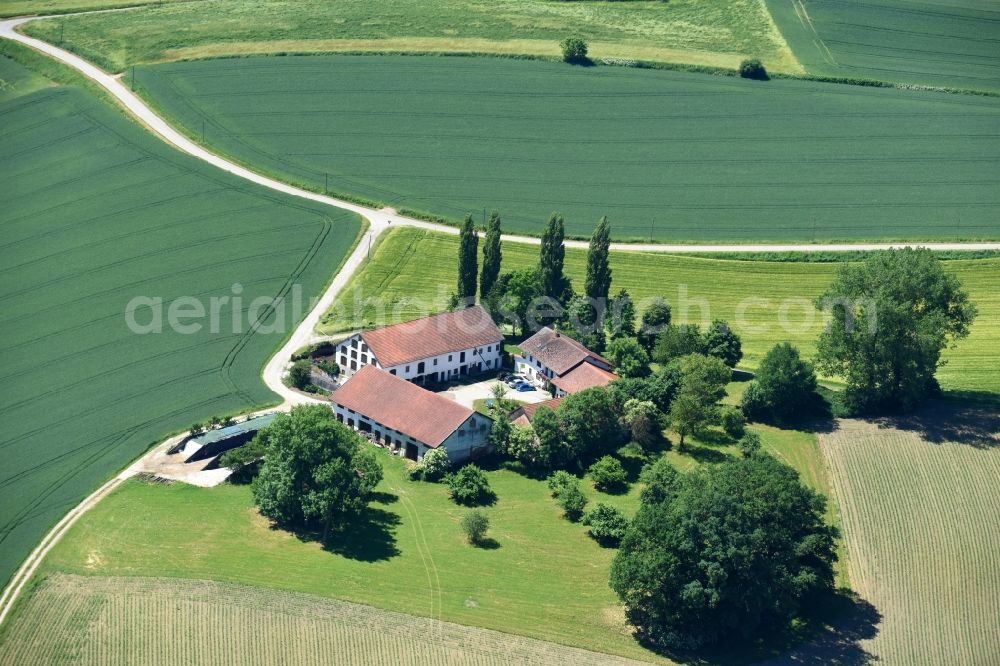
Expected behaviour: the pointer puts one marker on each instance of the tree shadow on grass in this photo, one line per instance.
(940, 421)
(369, 537)
(487, 543)
(703, 454)
(830, 633)
(839, 626)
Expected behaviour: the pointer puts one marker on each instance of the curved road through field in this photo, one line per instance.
(379, 220)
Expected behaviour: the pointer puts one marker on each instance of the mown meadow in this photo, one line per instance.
(542, 576)
(413, 271)
(918, 501)
(670, 156)
(97, 212)
(931, 43)
(686, 31)
(117, 621)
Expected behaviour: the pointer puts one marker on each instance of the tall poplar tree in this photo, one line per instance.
(491, 256)
(553, 253)
(468, 258)
(598, 271)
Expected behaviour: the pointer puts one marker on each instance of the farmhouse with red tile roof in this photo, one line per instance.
(408, 419)
(435, 348)
(523, 415)
(552, 358)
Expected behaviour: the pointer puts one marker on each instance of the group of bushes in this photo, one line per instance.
(607, 524)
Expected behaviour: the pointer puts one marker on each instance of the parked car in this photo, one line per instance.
(513, 382)
(524, 386)
(503, 376)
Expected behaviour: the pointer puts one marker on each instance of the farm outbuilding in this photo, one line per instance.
(407, 419)
(216, 442)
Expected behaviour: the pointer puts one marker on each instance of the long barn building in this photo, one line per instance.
(408, 419)
(431, 349)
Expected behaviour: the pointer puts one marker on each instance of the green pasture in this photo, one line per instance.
(97, 212)
(941, 43)
(413, 271)
(687, 31)
(26, 7)
(545, 578)
(672, 156)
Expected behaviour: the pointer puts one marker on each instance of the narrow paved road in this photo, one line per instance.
(379, 221)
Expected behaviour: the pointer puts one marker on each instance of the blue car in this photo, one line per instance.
(523, 386)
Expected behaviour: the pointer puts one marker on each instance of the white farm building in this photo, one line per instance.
(553, 359)
(435, 348)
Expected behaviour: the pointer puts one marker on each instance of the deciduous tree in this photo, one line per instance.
(628, 357)
(722, 343)
(891, 317)
(316, 471)
(735, 552)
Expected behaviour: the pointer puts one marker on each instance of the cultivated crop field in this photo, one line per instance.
(413, 271)
(672, 156)
(687, 31)
(126, 621)
(97, 212)
(940, 43)
(919, 508)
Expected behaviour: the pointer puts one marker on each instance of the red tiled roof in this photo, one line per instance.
(530, 408)
(432, 336)
(559, 353)
(584, 376)
(523, 415)
(401, 405)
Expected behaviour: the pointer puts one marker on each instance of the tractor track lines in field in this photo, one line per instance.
(182, 247)
(426, 556)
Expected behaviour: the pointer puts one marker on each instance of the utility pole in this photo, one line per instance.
(62, 31)
(203, 130)
(484, 217)
(369, 246)
(326, 183)
(132, 81)
(651, 224)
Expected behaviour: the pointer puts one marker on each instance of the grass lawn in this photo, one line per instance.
(687, 31)
(672, 156)
(933, 42)
(413, 271)
(96, 212)
(544, 577)
(547, 579)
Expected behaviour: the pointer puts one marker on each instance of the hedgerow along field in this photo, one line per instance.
(96, 212)
(413, 271)
(670, 156)
(125, 621)
(918, 501)
(545, 578)
(686, 31)
(931, 43)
